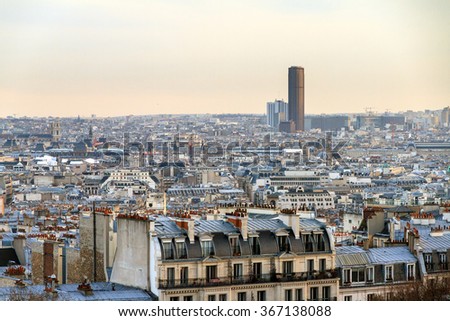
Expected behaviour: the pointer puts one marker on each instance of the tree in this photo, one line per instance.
(436, 289)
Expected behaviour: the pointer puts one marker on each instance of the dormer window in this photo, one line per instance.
(235, 247)
(308, 242)
(181, 249)
(168, 251)
(320, 243)
(207, 248)
(283, 243)
(388, 273)
(254, 245)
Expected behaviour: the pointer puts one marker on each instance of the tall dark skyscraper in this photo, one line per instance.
(297, 97)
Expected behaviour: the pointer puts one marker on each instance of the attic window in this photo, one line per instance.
(181, 249)
(308, 242)
(168, 250)
(235, 246)
(283, 243)
(254, 245)
(320, 243)
(207, 248)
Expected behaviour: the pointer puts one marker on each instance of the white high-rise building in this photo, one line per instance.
(277, 112)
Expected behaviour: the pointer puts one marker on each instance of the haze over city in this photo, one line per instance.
(69, 58)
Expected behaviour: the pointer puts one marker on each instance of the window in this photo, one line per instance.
(170, 277)
(288, 268)
(348, 298)
(388, 273)
(261, 296)
(299, 294)
(308, 242)
(181, 250)
(314, 293)
(358, 275)
(283, 244)
(320, 243)
(347, 276)
(242, 296)
(257, 270)
(237, 271)
(370, 296)
(211, 273)
(222, 297)
(212, 297)
(184, 275)
(174, 298)
(288, 295)
(235, 248)
(443, 260)
(188, 298)
(326, 293)
(254, 245)
(411, 271)
(310, 266)
(369, 274)
(322, 265)
(207, 248)
(168, 251)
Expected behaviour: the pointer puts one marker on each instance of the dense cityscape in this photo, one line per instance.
(227, 207)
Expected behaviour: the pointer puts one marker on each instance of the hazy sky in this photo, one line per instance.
(82, 57)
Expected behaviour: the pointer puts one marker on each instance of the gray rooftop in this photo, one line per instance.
(438, 243)
(102, 291)
(391, 255)
(357, 256)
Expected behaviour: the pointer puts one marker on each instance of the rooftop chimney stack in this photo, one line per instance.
(292, 219)
(240, 220)
(185, 222)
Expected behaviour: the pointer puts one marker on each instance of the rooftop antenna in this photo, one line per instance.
(369, 110)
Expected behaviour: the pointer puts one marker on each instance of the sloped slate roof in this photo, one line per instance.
(351, 256)
(391, 255)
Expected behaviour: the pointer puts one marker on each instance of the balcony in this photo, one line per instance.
(249, 279)
(333, 298)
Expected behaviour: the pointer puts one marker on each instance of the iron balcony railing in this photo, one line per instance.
(333, 298)
(249, 279)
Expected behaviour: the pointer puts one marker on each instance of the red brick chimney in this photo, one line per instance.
(185, 222)
(240, 220)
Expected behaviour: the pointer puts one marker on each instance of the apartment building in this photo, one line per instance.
(232, 259)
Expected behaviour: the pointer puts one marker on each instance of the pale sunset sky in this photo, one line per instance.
(115, 57)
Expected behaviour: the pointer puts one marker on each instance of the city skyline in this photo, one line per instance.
(104, 58)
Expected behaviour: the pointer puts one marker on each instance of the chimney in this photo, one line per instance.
(185, 222)
(366, 244)
(392, 230)
(190, 231)
(291, 219)
(240, 220)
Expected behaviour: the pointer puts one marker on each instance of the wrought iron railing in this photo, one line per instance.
(248, 279)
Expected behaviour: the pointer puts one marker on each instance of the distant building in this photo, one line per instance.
(445, 117)
(309, 199)
(56, 131)
(378, 121)
(277, 112)
(287, 126)
(327, 122)
(297, 97)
